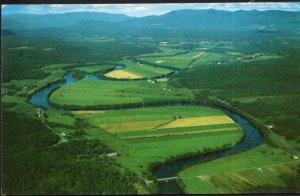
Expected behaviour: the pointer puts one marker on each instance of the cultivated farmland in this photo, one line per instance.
(121, 74)
(94, 68)
(135, 70)
(87, 92)
(177, 62)
(145, 136)
(244, 172)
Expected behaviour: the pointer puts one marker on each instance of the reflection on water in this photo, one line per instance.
(40, 98)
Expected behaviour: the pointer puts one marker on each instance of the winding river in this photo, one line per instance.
(170, 169)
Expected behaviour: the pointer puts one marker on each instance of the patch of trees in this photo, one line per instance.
(33, 162)
(125, 105)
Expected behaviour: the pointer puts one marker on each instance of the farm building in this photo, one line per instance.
(112, 155)
(39, 112)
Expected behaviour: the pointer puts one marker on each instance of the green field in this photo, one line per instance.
(138, 154)
(144, 70)
(203, 130)
(255, 73)
(87, 92)
(177, 62)
(163, 51)
(244, 172)
(28, 86)
(151, 114)
(95, 68)
(142, 152)
(60, 117)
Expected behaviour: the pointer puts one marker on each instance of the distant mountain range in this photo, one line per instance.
(185, 23)
(34, 21)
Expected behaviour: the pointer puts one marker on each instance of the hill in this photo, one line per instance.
(35, 21)
(192, 24)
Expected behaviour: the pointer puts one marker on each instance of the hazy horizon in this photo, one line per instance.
(141, 10)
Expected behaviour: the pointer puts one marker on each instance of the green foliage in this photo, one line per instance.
(33, 163)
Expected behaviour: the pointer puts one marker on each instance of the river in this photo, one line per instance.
(170, 169)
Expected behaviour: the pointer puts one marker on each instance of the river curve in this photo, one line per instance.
(170, 169)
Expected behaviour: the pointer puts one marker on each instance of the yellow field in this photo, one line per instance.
(88, 112)
(198, 121)
(202, 54)
(182, 133)
(132, 126)
(121, 74)
(159, 61)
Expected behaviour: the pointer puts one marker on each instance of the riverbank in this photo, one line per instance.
(173, 160)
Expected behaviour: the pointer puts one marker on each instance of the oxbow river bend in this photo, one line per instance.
(170, 169)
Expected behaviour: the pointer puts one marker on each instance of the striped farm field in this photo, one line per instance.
(132, 126)
(141, 136)
(177, 62)
(186, 122)
(201, 54)
(202, 132)
(243, 172)
(144, 70)
(88, 112)
(121, 74)
(177, 131)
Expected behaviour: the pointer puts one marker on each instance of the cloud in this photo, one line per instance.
(144, 9)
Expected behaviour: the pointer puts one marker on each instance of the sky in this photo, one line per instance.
(139, 10)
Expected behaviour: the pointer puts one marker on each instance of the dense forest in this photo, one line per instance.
(34, 164)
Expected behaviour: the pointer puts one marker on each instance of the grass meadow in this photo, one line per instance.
(87, 92)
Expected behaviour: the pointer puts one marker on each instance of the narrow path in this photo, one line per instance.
(62, 139)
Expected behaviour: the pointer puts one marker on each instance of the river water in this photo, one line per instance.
(170, 169)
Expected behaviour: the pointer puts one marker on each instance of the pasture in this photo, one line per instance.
(60, 117)
(87, 92)
(135, 70)
(121, 74)
(163, 51)
(28, 86)
(142, 132)
(199, 121)
(243, 172)
(94, 68)
(177, 62)
(144, 70)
